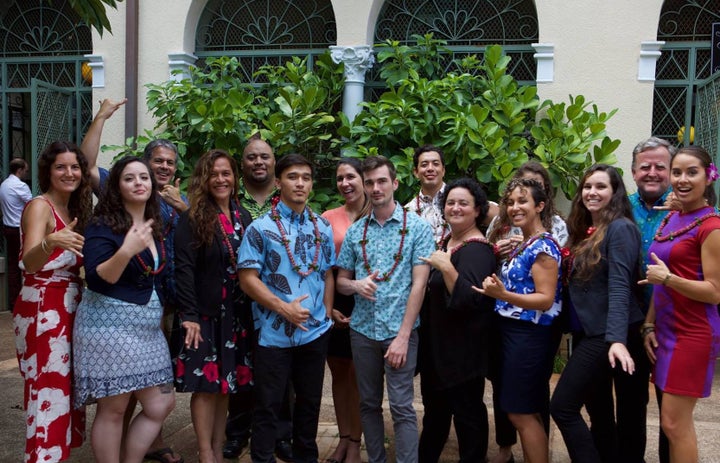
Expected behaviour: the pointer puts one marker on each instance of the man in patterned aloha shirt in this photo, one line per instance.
(380, 264)
(429, 169)
(284, 266)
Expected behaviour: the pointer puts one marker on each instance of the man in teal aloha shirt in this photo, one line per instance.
(380, 264)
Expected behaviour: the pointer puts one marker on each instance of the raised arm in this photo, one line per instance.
(91, 143)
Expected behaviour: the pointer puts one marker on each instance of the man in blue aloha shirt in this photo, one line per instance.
(284, 266)
(380, 264)
(651, 173)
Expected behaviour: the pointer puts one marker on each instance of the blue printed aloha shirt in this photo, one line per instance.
(648, 221)
(262, 249)
(381, 319)
(516, 275)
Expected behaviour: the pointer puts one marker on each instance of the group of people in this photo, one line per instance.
(240, 293)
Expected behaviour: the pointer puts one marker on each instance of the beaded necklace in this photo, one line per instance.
(226, 237)
(517, 251)
(674, 234)
(286, 242)
(147, 270)
(396, 257)
(474, 239)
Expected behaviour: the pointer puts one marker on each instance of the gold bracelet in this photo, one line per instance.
(44, 245)
(647, 325)
(667, 278)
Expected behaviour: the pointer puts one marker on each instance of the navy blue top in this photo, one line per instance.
(135, 284)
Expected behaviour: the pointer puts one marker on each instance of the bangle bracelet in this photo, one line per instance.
(647, 325)
(44, 246)
(667, 278)
(645, 331)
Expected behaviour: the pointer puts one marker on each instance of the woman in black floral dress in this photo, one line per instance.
(213, 326)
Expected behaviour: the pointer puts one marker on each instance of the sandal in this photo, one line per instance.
(161, 456)
(333, 460)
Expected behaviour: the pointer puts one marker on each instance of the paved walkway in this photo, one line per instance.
(179, 433)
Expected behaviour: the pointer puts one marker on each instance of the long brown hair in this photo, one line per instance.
(203, 209)
(110, 208)
(80, 203)
(587, 248)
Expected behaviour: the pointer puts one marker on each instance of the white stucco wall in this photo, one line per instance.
(596, 54)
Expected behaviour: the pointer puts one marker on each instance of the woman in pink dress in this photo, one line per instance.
(50, 260)
(682, 327)
(345, 393)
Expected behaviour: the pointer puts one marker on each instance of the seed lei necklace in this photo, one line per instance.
(517, 251)
(396, 257)
(674, 234)
(147, 270)
(474, 239)
(275, 215)
(226, 237)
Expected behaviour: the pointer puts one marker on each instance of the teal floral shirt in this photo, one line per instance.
(381, 319)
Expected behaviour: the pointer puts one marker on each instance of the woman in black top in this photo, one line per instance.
(454, 329)
(605, 243)
(211, 349)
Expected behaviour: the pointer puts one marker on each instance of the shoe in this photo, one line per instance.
(234, 447)
(283, 450)
(161, 455)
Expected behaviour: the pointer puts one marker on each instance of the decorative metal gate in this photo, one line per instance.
(707, 117)
(51, 119)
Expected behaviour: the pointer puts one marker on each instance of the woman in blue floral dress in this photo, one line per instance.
(528, 299)
(211, 343)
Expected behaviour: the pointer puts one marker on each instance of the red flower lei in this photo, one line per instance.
(147, 270)
(518, 250)
(286, 242)
(674, 234)
(396, 257)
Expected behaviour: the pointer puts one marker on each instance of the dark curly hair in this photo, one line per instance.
(80, 204)
(110, 209)
(203, 209)
(538, 194)
(503, 221)
(476, 191)
(587, 248)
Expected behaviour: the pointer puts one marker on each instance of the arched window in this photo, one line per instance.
(260, 32)
(467, 26)
(46, 41)
(686, 27)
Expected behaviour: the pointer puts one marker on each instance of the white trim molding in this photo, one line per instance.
(180, 61)
(545, 57)
(649, 54)
(97, 65)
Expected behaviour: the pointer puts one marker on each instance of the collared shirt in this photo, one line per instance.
(263, 249)
(381, 319)
(648, 221)
(14, 194)
(255, 208)
(429, 209)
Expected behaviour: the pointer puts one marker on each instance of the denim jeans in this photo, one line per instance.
(371, 366)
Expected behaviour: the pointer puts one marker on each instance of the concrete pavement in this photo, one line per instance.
(179, 434)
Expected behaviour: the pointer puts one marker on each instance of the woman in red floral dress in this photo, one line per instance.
(50, 260)
(211, 348)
